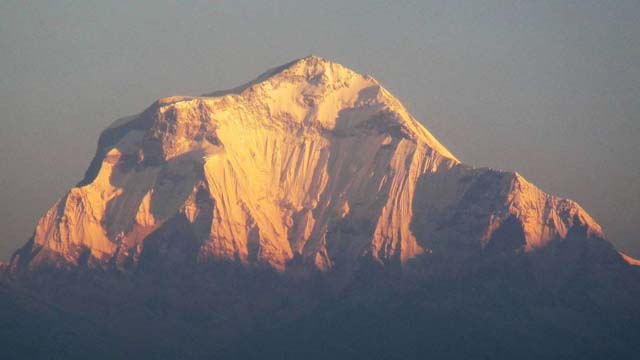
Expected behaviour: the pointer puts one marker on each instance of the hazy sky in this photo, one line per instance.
(550, 89)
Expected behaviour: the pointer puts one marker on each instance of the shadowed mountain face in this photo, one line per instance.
(307, 213)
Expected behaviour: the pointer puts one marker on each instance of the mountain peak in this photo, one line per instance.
(312, 67)
(315, 93)
(318, 92)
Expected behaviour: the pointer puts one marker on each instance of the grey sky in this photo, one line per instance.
(550, 89)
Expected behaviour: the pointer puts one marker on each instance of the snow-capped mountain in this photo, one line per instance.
(307, 214)
(310, 163)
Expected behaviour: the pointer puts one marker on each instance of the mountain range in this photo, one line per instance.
(307, 213)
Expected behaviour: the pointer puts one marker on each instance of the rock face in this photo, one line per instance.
(310, 165)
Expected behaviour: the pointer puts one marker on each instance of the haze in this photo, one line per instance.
(547, 89)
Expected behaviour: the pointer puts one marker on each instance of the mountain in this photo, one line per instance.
(310, 163)
(311, 199)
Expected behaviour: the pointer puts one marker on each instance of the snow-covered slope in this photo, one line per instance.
(310, 164)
